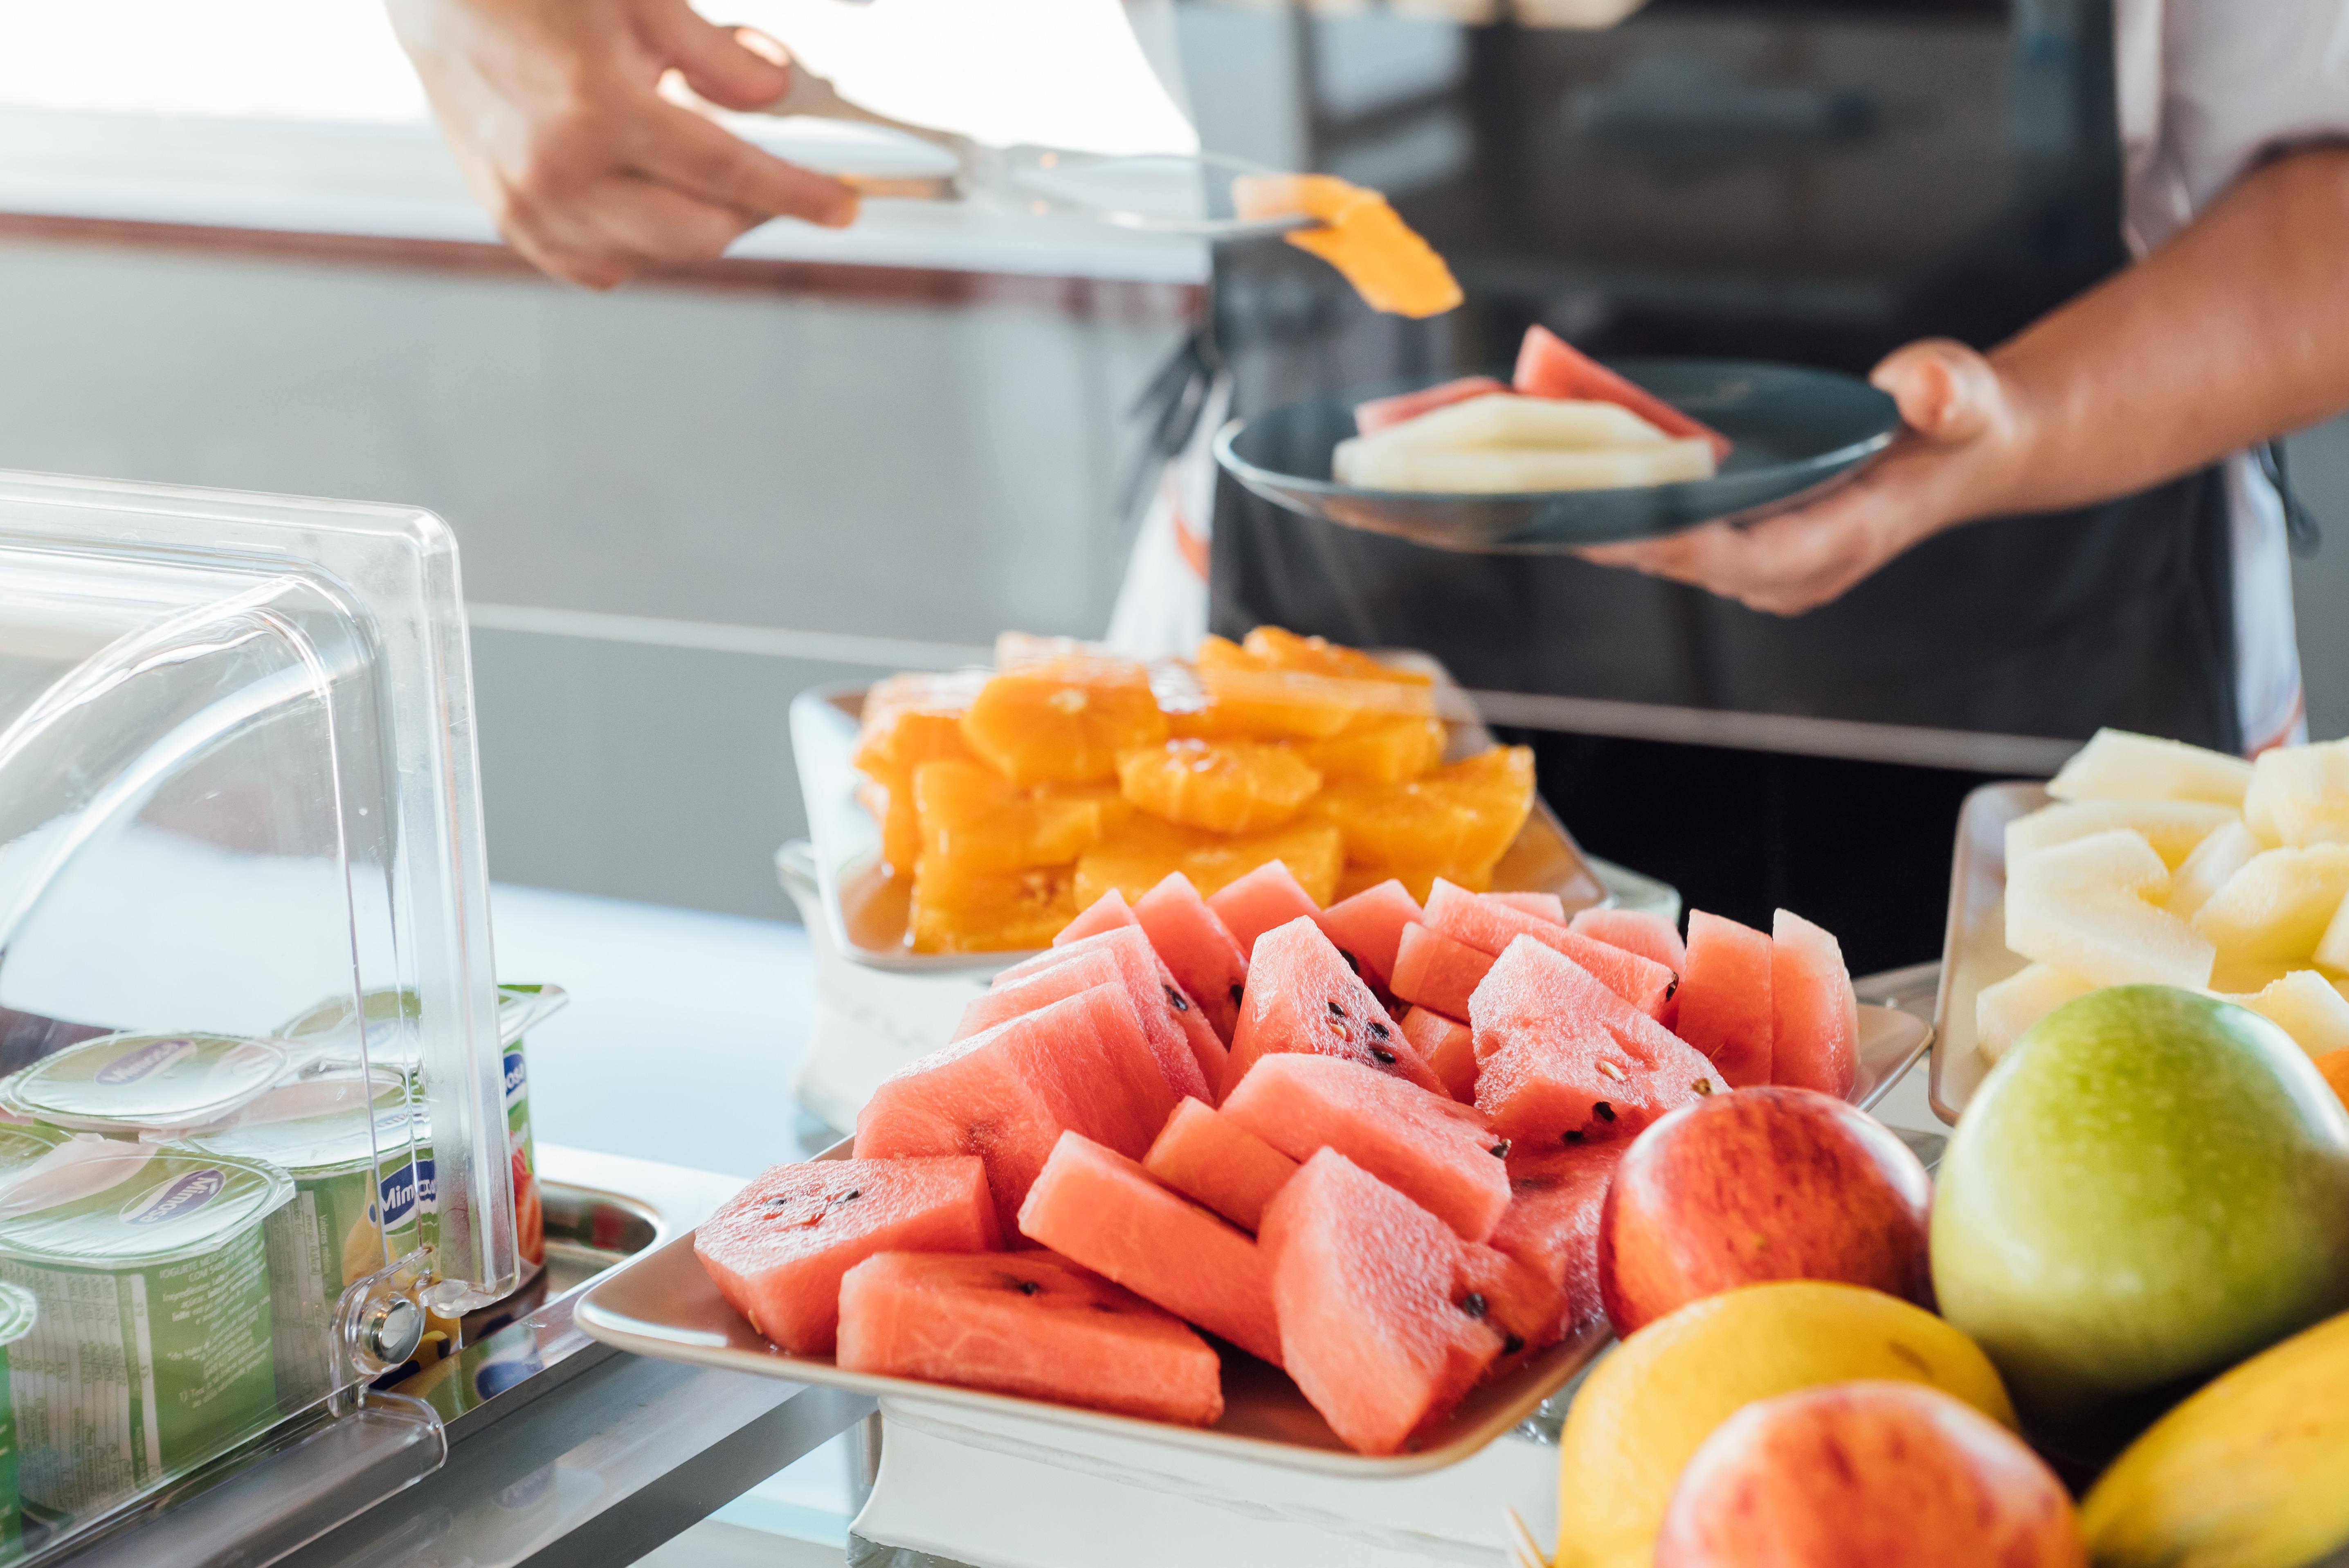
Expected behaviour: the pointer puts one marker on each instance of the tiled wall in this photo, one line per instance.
(929, 473)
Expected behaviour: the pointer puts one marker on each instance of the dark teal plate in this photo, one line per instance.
(1796, 433)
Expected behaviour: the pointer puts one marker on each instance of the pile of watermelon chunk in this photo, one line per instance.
(1367, 1144)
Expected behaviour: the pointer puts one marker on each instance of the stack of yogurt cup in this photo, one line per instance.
(182, 1218)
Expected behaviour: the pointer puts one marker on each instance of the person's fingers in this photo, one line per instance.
(649, 227)
(680, 147)
(1946, 391)
(732, 67)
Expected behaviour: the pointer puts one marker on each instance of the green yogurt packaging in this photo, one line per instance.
(362, 1171)
(152, 1347)
(18, 1313)
(131, 1085)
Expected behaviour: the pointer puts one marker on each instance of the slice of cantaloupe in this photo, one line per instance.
(1360, 235)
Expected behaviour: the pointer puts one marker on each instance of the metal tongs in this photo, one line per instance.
(1158, 193)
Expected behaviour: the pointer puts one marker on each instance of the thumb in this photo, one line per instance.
(733, 68)
(1946, 391)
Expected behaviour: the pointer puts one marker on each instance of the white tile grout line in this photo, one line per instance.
(1910, 745)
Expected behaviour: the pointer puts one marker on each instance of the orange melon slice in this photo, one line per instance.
(1361, 234)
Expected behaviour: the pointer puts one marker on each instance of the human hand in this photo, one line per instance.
(1953, 461)
(555, 111)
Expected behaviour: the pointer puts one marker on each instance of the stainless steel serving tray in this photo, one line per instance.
(1973, 949)
(662, 1305)
(866, 909)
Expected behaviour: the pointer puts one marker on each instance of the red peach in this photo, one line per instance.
(1762, 1183)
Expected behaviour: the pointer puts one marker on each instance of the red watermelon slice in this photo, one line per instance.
(776, 1250)
(1649, 934)
(1303, 996)
(1028, 1324)
(1548, 367)
(1815, 1041)
(1082, 1063)
(1101, 1210)
(1526, 1307)
(1206, 1155)
(1369, 927)
(1432, 971)
(1447, 1047)
(1724, 1003)
(1082, 971)
(1541, 905)
(1106, 912)
(1153, 986)
(1207, 961)
(1476, 921)
(1432, 1149)
(1383, 413)
(1551, 1226)
(1269, 896)
(1363, 1285)
(1561, 1057)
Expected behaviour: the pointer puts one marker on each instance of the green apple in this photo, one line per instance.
(2151, 1185)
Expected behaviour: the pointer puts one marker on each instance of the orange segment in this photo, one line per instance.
(1138, 859)
(1376, 749)
(972, 815)
(1063, 721)
(1362, 235)
(1462, 816)
(907, 721)
(1285, 650)
(958, 910)
(1248, 697)
(1228, 786)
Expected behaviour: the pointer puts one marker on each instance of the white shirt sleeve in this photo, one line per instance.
(2208, 88)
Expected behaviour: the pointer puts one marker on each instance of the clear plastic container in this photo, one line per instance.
(247, 1014)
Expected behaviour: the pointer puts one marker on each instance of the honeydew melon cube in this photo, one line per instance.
(2174, 828)
(2305, 1005)
(2216, 859)
(2274, 911)
(2118, 765)
(2089, 906)
(2299, 795)
(2001, 1012)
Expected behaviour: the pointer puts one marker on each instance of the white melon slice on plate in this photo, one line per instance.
(2299, 795)
(2305, 1005)
(2118, 765)
(2001, 1012)
(2174, 828)
(2090, 906)
(1361, 462)
(2215, 859)
(1505, 419)
(2273, 914)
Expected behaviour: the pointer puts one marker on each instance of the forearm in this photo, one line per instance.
(2236, 331)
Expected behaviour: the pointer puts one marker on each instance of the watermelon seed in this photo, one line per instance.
(1235, 995)
(1574, 1138)
(1378, 1030)
(1336, 1011)
(1608, 1069)
(1512, 1345)
(1499, 1151)
(1386, 1058)
(1670, 987)
(1351, 962)
(1703, 1085)
(1604, 1111)
(1473, 1305)
(1027, 1287)
(1180, 1003)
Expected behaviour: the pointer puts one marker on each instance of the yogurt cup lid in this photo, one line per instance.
(127, 1205)
(321, 1124)
(18, 1311)
(140, 1082)
(333, 1026)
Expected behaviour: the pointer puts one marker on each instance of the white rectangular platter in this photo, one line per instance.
(662, 1305)
(866, 909)
(1973, 949)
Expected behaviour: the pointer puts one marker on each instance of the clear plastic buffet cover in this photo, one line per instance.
(252, 1120)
